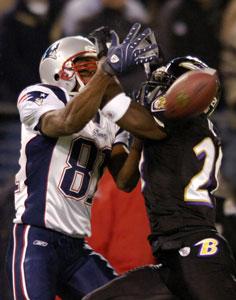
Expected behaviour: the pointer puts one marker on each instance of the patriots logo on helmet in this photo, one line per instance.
(51, 52)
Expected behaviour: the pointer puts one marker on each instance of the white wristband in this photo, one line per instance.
(116, 107)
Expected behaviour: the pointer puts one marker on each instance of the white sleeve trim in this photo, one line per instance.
(115, 109)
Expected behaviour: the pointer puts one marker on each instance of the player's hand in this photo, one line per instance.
(100, 37)
(132, 51)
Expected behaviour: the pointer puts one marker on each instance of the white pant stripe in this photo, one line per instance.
(13, 262)
(25, 238)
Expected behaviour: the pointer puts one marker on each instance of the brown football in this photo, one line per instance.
(191, 93)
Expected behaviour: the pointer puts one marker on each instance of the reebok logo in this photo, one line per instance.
(40, 243)
(114, 58)
(184, 251)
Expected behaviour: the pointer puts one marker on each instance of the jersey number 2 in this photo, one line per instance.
(197, 190)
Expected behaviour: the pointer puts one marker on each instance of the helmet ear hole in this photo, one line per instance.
(56, 77)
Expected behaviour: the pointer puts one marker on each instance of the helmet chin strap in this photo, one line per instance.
(81, 85)
(69, 85)
(80, 82)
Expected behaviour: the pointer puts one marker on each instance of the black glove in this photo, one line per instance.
(132, 51)
(100, 37)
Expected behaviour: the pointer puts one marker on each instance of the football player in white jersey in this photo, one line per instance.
(66, 142)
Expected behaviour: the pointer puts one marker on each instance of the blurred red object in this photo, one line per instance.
(120, 226)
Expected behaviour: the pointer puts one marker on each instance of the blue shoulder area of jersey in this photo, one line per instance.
(61, 95)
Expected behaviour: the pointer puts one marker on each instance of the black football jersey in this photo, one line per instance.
(179, 173)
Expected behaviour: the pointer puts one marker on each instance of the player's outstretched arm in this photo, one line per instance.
(120, 58)
(128, 114)
(132, 117)
(139, 121)
(80, 110)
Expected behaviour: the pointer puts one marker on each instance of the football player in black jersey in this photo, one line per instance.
(179, 177)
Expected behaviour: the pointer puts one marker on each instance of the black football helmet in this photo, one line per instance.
(162, 78)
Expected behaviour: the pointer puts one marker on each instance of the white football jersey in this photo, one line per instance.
(58, 176)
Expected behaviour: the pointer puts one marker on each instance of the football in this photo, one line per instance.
(191, 93)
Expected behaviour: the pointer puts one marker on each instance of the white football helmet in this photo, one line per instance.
(57, 64)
